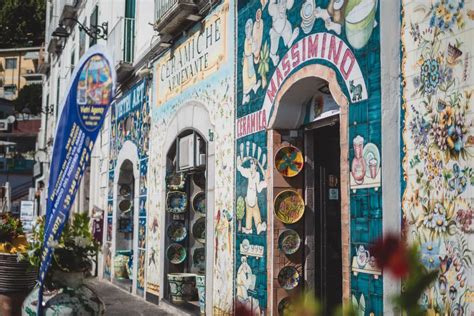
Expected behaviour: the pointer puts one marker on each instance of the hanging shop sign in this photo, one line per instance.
(88, 99)
(195, 59)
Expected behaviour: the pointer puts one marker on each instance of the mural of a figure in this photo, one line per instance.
(249, 75)
(281, 27)
(245, 282)
(223, 260)
(254, 186)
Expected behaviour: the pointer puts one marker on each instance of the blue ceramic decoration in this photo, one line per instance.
(176, 202)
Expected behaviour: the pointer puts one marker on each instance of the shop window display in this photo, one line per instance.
(186, 206)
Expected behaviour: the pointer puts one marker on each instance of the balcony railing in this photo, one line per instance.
(121, 41)
(164, 6)
(171, 15)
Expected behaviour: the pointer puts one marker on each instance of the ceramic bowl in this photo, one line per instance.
(125, 205)
(125, 190)
(176, 202)
(176, 253)
(288, 278)
(177, 232)
(289, 161)
(199, 203)
(289, 206)
(289, 241)
(284, 307)
(199, 230)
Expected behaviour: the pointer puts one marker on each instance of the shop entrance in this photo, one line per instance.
(327, 215)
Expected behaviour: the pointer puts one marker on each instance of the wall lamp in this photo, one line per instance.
(95, 31)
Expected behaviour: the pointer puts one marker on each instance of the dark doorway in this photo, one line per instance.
(327, 202)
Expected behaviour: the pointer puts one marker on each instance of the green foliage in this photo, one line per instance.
(10, 227)
(22, 23)
(29, 98)
(73, 251)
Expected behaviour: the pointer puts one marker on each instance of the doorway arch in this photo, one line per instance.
(127, 158)
(282, 116)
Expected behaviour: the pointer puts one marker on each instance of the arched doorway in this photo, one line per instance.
(125, 218)
(310, 115)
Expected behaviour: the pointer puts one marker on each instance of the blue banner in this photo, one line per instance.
(85, 108)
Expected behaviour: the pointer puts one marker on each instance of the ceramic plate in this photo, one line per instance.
(288, 278)
(176, 253)
(289, 241)
(199, 203)
(125, 205)
(176, 181)
(125, 190)
(199, 258)
(199, 230)
(289, 206)
(284, 307)
(176, 202)
(177, 231)
(289, 161)
(371, 153)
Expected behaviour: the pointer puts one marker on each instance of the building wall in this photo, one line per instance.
(203, 100)
(15, 76)
(437, 134)
(290, 29)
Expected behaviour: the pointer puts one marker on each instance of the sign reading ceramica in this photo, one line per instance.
(195, 59)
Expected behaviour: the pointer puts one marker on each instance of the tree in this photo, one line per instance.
(29, 98)
(22, 23)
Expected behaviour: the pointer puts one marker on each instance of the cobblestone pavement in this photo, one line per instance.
(119, 302)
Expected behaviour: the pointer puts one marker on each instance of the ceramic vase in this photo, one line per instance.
(72, 297)
(179, 283)
(201, 287)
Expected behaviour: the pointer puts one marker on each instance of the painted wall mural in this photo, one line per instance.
(438, 140)
(130, 121)
(211, 88)
(277, 39)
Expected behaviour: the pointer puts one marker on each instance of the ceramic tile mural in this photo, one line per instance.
(210, 89)
(130, 121)
(276, 39)
(438, 139)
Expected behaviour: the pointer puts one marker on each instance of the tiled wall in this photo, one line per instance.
(437, 134)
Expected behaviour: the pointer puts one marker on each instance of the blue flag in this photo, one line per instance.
(87, 101)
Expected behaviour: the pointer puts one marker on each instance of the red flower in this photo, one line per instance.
(391, 254)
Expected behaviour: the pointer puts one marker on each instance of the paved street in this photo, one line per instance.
(119, 302)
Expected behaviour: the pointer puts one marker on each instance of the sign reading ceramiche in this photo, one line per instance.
(194, 60)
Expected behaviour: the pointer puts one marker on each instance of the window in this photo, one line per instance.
(94, 21)
(73, 59)
(9, 91)
(10, 63)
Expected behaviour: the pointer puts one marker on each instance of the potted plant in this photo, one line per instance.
(70, 266)
(16, 278)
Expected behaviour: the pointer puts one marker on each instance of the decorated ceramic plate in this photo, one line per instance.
(199, 258)
(289, 241)
(199, 230)
(199, 202)
(284, 307)
(125, 190)
(289, 161)
(176, 253)
(289, 206)
(177, 231)
(288, 278)
(125, 205)
(176, 181)
(176, 202)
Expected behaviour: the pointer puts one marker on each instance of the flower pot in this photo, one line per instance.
(16, 280)
(65, 301)
(201, 287)
(179, 283)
